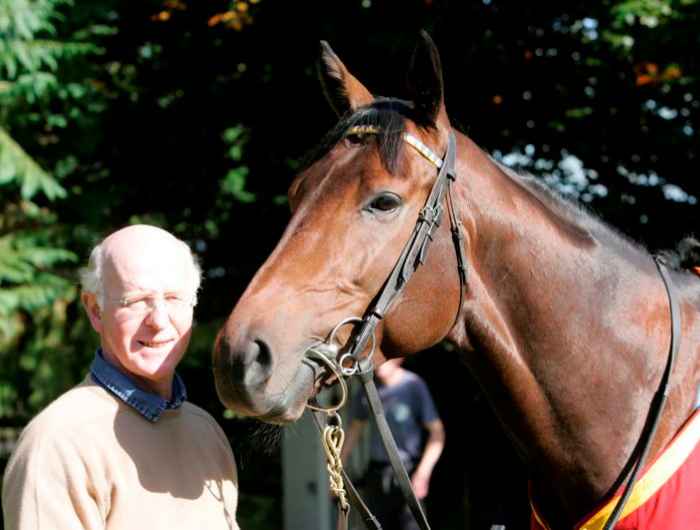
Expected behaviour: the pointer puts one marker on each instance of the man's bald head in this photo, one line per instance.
(148, 243)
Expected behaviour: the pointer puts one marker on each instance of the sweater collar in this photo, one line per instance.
(151, 406)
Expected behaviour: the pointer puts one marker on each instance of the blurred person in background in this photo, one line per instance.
(419, 435)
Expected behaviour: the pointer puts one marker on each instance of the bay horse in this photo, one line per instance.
(564, 322)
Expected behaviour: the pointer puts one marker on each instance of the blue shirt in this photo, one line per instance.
(408, 407)
(149, 405)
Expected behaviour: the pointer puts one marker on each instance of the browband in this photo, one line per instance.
(423, 150)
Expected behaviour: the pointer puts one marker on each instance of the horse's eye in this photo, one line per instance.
(385, 202)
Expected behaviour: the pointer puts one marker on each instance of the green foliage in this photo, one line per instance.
(34, 297)
(17, 167)
(38, 100)
(235, 180)
(649, 13)
(22, 22)
(628, 15)
(36, 289)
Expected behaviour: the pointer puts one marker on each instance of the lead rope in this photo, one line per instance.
(340, 484)
(330, 428)
(333, 438)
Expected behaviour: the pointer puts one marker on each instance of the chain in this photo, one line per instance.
(333, 438)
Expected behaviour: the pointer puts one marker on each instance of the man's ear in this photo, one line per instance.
(93, 310)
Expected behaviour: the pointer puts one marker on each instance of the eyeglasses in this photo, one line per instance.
(143, 304)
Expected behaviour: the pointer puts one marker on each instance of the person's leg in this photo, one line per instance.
(408, 522)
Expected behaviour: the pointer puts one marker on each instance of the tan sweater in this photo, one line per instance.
(90, 461)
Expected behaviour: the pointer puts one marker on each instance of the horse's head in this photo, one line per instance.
(354, 208)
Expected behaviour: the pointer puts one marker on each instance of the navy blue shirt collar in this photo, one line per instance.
(149, 405)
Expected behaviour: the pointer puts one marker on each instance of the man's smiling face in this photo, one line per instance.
(146, 319)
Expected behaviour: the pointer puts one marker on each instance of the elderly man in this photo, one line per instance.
(123, 449)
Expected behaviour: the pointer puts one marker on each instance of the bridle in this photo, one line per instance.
(351, 363)
(415, 250)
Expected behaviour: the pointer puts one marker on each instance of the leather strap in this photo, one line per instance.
(414, 252)
(392, 451)
(369, 520)
(412, 256)
(657, 403)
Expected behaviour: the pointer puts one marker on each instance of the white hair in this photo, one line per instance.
(91, 276)
(92, 282)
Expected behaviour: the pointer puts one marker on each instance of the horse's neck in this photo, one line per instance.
(560, 327)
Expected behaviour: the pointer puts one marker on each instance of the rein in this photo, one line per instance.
(348, 364)
(658, 401)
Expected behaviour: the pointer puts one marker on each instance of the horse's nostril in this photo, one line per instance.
(251, 365)
(259, 364)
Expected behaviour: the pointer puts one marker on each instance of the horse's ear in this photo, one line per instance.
(425, 81)
(343, 91)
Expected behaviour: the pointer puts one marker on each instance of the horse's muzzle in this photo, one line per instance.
(241, 371)
(248, 385)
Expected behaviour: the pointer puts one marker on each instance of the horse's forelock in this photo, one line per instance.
(388, 115)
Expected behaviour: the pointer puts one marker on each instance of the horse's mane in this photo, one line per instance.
(389, 115)
(685, 256)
